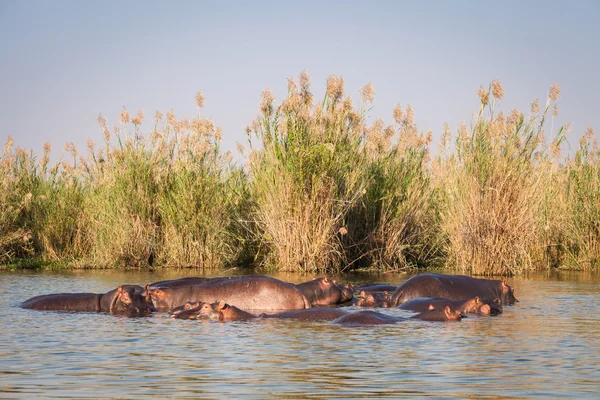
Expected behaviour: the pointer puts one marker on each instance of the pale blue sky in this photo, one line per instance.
(64, 62)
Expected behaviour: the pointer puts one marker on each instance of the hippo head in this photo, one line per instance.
(373, 300)
(213, 311)
(129, 300)
(476, 306)
(452, 315)
(158, 297)
(495, 306)
(346, 291)
(508, 294)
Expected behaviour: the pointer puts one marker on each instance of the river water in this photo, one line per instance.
(547, 345)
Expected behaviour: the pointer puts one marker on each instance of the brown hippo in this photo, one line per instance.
(373, 299)
(472, 306)
(453, 287)
(366, 317)
(377, 287)
(192, 280)
(248, 293)
(311, 314)
(124, 299)
(223, 312)
(442, 315)
(325, 292)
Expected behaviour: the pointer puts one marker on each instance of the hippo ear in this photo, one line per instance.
(477, 300)
(448, 311)
(431, 307)
(120, 289)
(221, 305)
(362, 294)
(325, 280)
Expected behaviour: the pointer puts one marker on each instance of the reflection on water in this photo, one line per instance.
(546, 345)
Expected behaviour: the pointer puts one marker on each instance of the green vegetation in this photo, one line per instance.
(321, 190)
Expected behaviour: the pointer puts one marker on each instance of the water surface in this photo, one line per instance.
(548, 345)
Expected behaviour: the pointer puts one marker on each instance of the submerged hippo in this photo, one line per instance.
(472, 306)
(446, 314)
(247, 293)
(124, 299)
(374, 299)
(453, 287)
(311, 314)
(325, 292)
(366, 317)
(377, 287)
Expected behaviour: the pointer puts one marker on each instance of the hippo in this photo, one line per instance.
(377, 287)
(325, 292)
(472, 306)
(311, 314)
(124, 299)
(453, 287)
(366, 317)
(440, 315)
(247, 293)
(221, 311)
(373, 299)
(192, 280)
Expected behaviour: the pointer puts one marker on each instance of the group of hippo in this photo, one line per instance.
(435, 297)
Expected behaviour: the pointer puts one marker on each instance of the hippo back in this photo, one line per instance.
(247, 293)
(64, 301)
(452, 287)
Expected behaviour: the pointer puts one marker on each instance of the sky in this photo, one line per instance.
(64, 62)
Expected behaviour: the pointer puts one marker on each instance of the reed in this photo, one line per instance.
(322, 190)
(577, 207)
(332, 192)
(491, 186)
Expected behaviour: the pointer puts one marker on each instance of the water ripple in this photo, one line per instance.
(548, 345)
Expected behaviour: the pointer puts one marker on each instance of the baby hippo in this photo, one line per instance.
(439, 315)
(374, 299)
(472, 306)
(366, 317)
(221, 311)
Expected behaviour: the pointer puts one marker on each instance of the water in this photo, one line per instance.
(548, 345)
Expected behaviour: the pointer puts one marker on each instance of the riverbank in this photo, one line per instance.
(323, 189)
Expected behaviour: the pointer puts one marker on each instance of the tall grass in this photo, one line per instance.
(307, 173)
(332, 192)
(491, 185)
(324, 189)
(579, 206)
